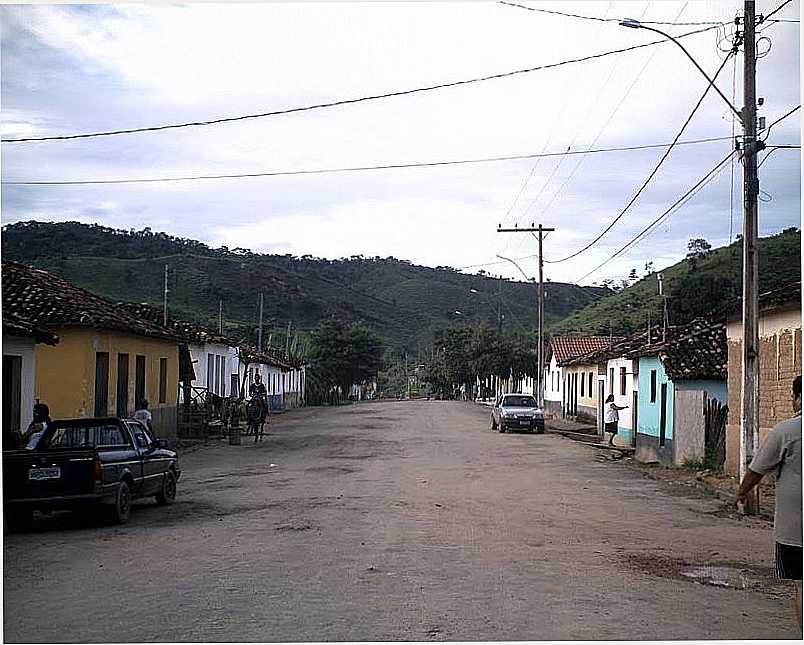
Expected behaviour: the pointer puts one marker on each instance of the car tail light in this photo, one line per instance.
(97, 470)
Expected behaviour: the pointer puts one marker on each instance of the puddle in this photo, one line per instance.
(718, 576)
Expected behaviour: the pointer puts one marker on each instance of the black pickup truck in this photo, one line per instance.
(81, 464)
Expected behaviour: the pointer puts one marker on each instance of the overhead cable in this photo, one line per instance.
(721, 165)
(322, 171)
(650, 176)
(361, 99)
(617, 20)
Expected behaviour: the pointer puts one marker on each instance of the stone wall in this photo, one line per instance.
(779, 364)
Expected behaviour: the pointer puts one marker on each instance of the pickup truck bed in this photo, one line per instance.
(81, 463)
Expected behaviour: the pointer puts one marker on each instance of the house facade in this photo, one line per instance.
(20, 338)
(574, 375)
(779, 363)
(677, 378)
(106, 359)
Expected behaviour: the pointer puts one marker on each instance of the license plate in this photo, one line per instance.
(524, 423)
(38, 474)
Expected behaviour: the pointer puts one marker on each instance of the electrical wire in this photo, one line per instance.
(733, 126)
(611, 116)
(597, 19)
(779, 120)
(775, 11)
(361, 99)
(773, 149)
(679, 202)
(649, 178)
(321, 171)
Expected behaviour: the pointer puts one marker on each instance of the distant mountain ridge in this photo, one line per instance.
(401, 301)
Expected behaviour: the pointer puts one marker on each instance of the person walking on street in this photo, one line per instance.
(781, 452)
(612, 420)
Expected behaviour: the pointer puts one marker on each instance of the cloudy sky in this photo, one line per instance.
(79, 69)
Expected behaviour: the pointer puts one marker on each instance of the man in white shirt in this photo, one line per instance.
(143, 415)
(781, 452)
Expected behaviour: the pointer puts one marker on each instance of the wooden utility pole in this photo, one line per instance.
(541, 230)
(165, 299)
(749, 401)
(259, 329)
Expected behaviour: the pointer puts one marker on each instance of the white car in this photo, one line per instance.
(517, 412)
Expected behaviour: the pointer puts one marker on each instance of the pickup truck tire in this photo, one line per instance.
(167, 493)
(121, 510)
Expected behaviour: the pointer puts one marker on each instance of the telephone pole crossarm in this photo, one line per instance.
(540, 231)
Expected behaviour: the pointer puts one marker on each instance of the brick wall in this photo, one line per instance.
(779, 364)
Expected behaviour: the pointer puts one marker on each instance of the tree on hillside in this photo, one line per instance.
(697, 295)
(698, 249)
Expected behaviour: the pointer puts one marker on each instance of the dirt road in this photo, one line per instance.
(400, 521)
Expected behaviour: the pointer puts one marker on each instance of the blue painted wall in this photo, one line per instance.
(648, 414)
(714, 389)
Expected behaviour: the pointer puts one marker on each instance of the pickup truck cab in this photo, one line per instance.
(101, 463)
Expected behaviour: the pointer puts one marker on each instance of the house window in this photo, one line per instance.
(591, 392)
(101, 384)
(12, 395)
(622, 380)
(217, 380)
(653, 386)
(235, 385)
(163, 380)
(611, 380)
(223, 376)
(139, 381)
(122, 385)
(583, 389)
(211, 372)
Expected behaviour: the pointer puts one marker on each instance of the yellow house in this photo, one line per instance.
(581, 391)
(107, 360)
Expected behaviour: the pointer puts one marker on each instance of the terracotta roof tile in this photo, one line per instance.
(567, 348)
(16, 325)
(187, 331)
(46, 300)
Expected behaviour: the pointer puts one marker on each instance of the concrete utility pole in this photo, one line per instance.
(259, 329)
(499, 306)
(220, 317)
(749, 401)
(287, 341)
(541, 230)
(165, 299)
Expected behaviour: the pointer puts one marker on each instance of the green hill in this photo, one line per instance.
(403, 302)
(695, 288)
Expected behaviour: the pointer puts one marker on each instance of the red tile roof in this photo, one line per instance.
(187, 331)
(567, 348)
(16, 325)
(46, 300)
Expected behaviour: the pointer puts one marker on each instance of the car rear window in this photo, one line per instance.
(89, 436)
(520, 401)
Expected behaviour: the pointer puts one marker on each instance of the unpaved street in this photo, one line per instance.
(400, 521)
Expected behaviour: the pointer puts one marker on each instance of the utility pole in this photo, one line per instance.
(164, 314)
(259, 329)
(499, 306)
(541, 230)
(220, 317)
(287, 341)
(749, 408)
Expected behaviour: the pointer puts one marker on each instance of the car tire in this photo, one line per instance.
(540, 430)
(167, 494)
(121, 510)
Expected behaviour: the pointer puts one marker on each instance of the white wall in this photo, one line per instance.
(614, 388)
(554, 391)
(770, 323)
(24, 348)
(199, 354)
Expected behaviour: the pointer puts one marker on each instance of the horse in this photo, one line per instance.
(255, 414)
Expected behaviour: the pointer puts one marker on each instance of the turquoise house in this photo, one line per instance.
(676, 377)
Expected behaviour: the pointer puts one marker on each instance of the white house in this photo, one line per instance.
(19, 371)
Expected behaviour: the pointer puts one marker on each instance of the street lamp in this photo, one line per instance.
(749, 400)
(635, 24)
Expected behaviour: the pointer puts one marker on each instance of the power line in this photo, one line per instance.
(779, 120)
(650, 176)
(373, 97)
(775, 11)
(321, 171)
(597, 19)
(700, 184)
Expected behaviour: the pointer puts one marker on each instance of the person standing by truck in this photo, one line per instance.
(41, 422)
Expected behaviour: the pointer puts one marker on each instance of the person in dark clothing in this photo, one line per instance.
(37, 427)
